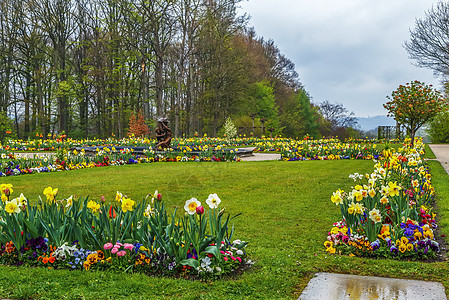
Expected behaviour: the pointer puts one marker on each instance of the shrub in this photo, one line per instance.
(438, 129)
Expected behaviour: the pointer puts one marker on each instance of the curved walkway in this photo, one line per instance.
(260, 156)
(441, 151)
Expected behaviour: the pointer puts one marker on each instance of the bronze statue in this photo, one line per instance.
(163, 134)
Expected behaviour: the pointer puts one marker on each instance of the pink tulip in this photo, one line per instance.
(200, 210)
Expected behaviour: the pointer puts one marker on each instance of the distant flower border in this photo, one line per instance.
(65, 160)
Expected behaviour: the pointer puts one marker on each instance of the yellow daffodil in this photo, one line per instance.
(94, 206)
(357, 195)
(358, 208)
(393, 189)
(4, 187)
(12, 206)
(355, 208)
(50, 193)
(384, 200)
(127, 204)
(336, 197)
(118, 196)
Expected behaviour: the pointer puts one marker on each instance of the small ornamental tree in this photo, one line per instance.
(137, 126)
(230, 129)
(415, 104)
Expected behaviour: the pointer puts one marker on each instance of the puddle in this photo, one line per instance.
(342, 286)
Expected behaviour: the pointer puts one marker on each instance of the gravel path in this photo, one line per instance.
(441, 151)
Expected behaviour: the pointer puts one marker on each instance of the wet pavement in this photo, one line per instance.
(441, 151)
(343, 286)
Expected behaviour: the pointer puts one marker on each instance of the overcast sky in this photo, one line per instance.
(345, 51)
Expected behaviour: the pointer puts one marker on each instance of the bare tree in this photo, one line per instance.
(429, 40)
(55, 18)
(337, 115)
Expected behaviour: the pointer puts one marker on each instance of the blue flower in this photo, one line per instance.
(375, 245)
(137, 247)
(408, 232)
(394, 250)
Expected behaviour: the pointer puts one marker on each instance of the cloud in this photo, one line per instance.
(346, 51)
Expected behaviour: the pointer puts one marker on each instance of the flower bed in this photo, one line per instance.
(125, 236)
(64, 160)
(389, 212)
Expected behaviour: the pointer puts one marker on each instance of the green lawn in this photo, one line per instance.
(286, 214)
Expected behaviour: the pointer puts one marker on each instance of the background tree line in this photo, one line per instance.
(83, 66)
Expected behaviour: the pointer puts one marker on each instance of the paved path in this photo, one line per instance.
(254, 157)
(260, 156)
(31, 155)
(441, 151)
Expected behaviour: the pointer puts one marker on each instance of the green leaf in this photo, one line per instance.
(190, 262)
(213, 250)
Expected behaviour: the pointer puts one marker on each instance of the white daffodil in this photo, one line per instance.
(69, 201)
(21, 200)
(191, 205)
(375, 216)
(149, 211)
(154, 196)
(213, 201)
